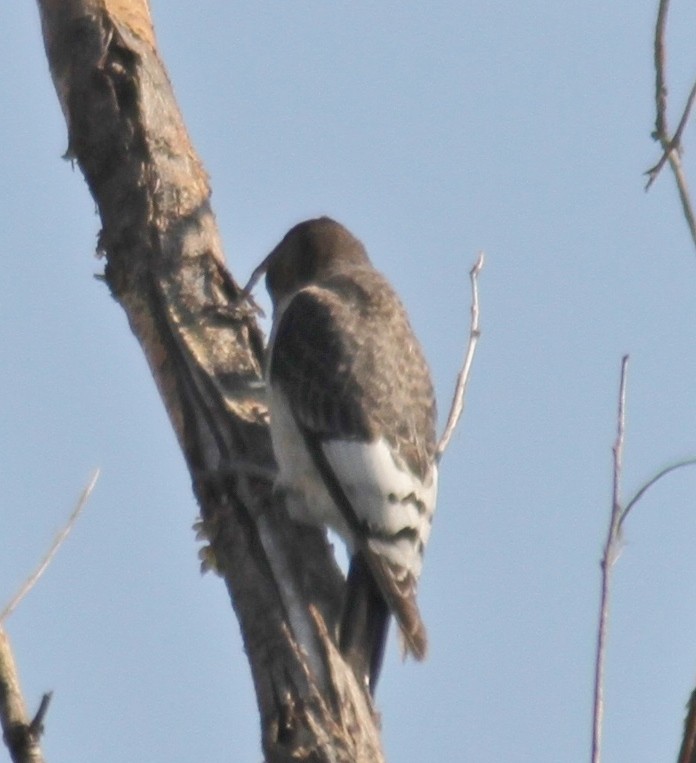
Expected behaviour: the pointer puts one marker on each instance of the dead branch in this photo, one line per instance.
(19, 733)
(32, 580)
(22, 736)
(643, 489)
(608, 558)
(659, 56)
(457, 406)
(612, 548)
(674, 143)
(165, 266)
(671, 145)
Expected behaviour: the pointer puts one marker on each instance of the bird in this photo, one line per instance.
(352, 422)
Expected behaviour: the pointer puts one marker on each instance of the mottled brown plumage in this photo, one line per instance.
(353, 424)
(347, 357)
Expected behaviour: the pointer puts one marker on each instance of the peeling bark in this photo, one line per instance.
(165, 267)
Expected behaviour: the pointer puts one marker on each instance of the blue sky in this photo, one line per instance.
(519, 128)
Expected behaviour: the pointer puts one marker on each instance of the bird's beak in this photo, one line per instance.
(254, 279)
(245, 295)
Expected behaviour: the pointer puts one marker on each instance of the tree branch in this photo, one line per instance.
(612, 547)
(608, 558)
(33, 579)
(642, 490)
(675, 142)
(165, 266)
(457, 406)
(659, 56)
(671, 146)
(21, 735)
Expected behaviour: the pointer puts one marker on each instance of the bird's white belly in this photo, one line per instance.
(306, 497)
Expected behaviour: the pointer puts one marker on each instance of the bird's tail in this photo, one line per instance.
(398, 587)
(364, 623)
(372, 592)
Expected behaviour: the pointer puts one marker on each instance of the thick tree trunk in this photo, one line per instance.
(164, 265)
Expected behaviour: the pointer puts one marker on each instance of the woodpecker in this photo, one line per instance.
(352, 419)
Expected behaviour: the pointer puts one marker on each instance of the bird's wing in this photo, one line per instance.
(359, 389)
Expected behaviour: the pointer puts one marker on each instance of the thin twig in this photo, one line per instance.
(675, 143)
(660, 69)
(671, 146)
(608, 559)
(618, 516)
(676, 140)
(36, 727)
(31, 581)
(639, 494)
(457, 406)
(680, 177)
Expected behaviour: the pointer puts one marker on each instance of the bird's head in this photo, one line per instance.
(311, 251)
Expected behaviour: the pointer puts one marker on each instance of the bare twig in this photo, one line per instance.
(671, 146)
(680, 177)
(20, 735)
(676, 139)
(36, 726)
(660, 69)
(675, 142)
(457, 406)
(618, 516)
(31, 581)
(639, 494)
(608, 559)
